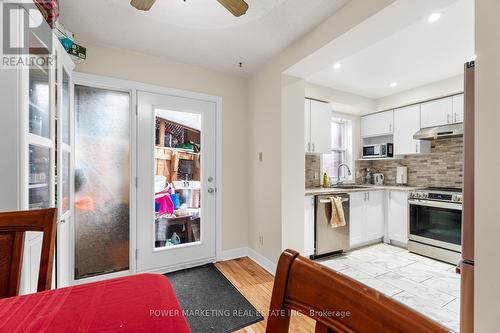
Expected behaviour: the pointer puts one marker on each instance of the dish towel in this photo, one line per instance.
(337, 219)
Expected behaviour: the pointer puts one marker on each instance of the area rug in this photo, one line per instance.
(210, 302)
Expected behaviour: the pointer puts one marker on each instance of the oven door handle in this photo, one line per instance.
(438, 204)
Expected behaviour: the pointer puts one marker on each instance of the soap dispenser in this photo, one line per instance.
(325, 181)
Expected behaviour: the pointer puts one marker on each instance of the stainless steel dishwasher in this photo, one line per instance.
(328, 240)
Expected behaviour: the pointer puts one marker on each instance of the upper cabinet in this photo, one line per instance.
(377, 124)
(442, 111)
(318, 116)
(458, 108)
(407, 123)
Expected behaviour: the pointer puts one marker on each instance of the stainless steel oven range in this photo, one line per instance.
(436, 223)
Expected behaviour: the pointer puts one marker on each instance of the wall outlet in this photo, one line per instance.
(261, 157)
(261, 240)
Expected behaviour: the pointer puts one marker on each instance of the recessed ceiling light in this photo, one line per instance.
(337, 65)
(434, 17)
(473, 58)
(393, 84)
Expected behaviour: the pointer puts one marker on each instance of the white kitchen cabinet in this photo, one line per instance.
(406, 124)
(458, 108)
(367, 217)
(309, 225)
(317, 127)
(377, 124)
(436, 113)
(307, 125)
(357, 209)
(375, 215)
(397, 216)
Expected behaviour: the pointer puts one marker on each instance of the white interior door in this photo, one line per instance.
(186, 238)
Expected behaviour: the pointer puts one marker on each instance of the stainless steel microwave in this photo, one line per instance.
(378, 150)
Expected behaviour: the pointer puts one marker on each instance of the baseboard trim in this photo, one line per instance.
(233, 254)
(241, 252)
(265, 263)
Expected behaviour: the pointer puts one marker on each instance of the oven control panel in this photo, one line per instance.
(437, 196)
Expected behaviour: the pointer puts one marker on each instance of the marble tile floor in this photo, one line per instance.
(426, 285)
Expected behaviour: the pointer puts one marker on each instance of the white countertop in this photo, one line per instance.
(322, 190)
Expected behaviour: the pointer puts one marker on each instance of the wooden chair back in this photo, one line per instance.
(13, 226)
(336, 302)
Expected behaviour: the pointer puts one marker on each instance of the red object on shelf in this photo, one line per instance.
(49, 10)
(138, 303)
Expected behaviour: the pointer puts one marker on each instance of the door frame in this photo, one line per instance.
(133, 87)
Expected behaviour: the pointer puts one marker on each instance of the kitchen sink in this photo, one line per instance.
(349, 187)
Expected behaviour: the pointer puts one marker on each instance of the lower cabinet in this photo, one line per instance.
(397, 216)
(367, 217)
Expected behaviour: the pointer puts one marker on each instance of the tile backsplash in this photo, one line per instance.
(313, 174)
(442, 167)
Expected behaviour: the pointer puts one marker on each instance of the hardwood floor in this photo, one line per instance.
(256, 284)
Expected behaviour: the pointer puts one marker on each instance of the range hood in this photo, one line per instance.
(440, 132)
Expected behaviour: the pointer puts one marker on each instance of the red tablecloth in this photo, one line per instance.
(139, 303)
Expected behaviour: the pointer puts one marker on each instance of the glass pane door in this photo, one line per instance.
(102, 178)
(177, 178)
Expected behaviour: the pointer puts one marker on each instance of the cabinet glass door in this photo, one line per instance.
(39, 94)
(39, 177)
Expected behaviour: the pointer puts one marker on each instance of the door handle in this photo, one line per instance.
(211, 190)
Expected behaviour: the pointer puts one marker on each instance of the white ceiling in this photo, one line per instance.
(415, 54)
(200, 32)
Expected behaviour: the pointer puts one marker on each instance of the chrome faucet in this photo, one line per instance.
(339, 182)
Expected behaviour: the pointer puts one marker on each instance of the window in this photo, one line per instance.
(341, 130)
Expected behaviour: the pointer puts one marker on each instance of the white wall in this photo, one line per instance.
(487, 165)
(292, 131)
(341, 101)
(233, 90)
(437, 89)
(269, 201)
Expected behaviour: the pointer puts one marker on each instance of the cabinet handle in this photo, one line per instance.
(308, 147)
(368, 195)
(390, 195)
(416, 147)
(448, 118)
(454, 117)
(314, 147)
(390, 127)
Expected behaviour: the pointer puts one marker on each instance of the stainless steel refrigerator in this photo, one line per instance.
(467, 262)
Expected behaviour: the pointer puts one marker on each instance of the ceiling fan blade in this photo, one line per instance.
(236, 7)
(142, 4)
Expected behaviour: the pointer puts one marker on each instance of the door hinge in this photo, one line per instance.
(137, 109)
(136, 253)
(136, 182)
